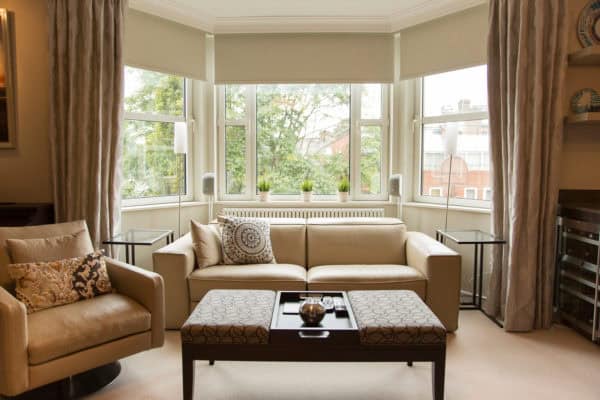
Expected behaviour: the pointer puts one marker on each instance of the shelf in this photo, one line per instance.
(577, 323)
(580, 296)
(589, 118)
(586, 56)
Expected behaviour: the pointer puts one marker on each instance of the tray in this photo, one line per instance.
(333, 329)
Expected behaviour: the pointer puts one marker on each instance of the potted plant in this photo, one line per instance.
(307, 190)
(264, 186)
(343, 190)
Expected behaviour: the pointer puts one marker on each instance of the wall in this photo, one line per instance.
(25, 171)
(581, 149)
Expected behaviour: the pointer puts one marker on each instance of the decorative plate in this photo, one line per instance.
(585, 100)
(588, 27)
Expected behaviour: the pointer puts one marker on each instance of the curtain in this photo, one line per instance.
(527, 50)
(86, 75)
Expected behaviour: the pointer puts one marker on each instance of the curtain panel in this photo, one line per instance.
(527, 59)
(86, 75)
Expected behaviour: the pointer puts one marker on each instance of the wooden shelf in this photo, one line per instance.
(590, 118)
(586, 56)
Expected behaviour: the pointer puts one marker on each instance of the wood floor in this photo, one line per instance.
(484, 362)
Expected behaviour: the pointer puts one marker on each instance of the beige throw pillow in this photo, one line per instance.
(43, 285)
(49, 249)
(207, 244)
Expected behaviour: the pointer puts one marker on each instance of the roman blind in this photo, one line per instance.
(444, 44)
(157, 44)
(304, 58)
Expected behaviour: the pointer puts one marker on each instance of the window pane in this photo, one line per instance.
(235, 102)
(153, 92)
(470, 167)
(149, 163)
(303, 133)
(454, 92)
(370, 101)
(370, 159)
(235, 159)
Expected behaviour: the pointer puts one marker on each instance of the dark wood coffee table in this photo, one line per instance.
(249, 325)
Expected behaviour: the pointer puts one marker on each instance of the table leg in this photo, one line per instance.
(409, 363)
(188, 376)
(480, 276)
(475, 267)
(127, 254)
(211, 362)
(132, 254)
(438, 371)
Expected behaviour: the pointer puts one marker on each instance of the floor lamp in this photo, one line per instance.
(180, 147)
(450, 139)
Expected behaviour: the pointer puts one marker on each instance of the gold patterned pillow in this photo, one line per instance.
(43, 285)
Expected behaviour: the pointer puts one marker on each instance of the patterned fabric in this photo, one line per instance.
(231, 317)
(394, 317)
(246, 241)
(49, 284)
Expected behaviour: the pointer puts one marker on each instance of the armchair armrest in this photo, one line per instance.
(175, 262)
(441, 266)
(14, 361)
(146, 288)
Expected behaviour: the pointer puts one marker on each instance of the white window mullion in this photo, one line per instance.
(251, 171)
(355, 97)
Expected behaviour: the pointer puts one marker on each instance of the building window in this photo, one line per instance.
(454, 103)
(487, 194)
(286, 133)
(153, 103)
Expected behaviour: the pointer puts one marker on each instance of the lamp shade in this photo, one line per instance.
(180, 144)
(450, 138)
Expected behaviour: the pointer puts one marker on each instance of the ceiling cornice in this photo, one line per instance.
(428, 11)
(301, 24)
(173, 11)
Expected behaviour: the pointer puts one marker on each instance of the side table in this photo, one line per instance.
(139, 237)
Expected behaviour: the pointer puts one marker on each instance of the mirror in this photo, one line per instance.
(8, 124)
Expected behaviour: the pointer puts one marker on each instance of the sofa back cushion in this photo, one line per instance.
(335, 241)
(288, 238)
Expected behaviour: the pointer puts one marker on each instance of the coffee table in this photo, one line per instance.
(250, 325)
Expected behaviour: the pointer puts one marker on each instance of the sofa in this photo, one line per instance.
(322, 254)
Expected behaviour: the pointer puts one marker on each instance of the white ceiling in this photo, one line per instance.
(261, 16)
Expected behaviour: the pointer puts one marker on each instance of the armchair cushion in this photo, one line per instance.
(49, 248)
(60, 331)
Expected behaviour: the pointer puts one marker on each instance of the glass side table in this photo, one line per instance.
(479, 239)
(139, 237)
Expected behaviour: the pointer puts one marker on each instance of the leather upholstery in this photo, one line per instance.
(60, 331)
(14, 376)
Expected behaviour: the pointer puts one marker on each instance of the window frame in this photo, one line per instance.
(419, 122)
(356, 123)
(188, 165)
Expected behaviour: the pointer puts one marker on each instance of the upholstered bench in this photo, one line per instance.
(235, 325)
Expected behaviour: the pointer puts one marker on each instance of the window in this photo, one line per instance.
(454, 103)
(153, 103)
(286, 133)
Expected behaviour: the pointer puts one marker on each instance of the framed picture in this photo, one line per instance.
(8, 125)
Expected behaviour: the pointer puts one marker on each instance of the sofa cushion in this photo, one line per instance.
(343, 241)
(207, 244)
(60, 331)
(253, 276)
(367, 277)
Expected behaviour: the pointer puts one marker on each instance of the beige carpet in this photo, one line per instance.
(483, 363)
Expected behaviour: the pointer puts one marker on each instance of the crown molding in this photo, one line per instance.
(305, 24)
(171, 10)
(428, 11)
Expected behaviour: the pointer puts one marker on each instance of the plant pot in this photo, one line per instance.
(263, 196)
(343, 197)
(307, 196)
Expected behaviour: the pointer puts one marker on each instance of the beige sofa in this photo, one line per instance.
(322, 254)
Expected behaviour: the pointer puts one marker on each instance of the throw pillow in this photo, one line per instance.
(246, 241)
(207, 244)
(49, 249)
(42, 285)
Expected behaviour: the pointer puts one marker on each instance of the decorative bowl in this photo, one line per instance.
(312, 311)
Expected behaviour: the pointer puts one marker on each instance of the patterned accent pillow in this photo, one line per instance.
(44, 285)
(246, 241)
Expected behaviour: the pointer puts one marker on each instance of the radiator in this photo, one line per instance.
(303, 212)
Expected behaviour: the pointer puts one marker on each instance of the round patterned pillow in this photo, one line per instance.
(246, 241)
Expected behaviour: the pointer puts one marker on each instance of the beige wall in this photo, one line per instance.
(25, 171)
(581, 151)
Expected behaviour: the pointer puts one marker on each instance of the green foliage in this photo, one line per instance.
(307, 185)
(344, 185)
(264, 185)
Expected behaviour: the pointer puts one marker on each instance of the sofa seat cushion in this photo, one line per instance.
(59, 331)
(367, 277)
(251, 276)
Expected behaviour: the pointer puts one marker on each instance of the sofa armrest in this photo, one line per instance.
(14, 361)
(441, 266)
(175, 262)
(146, 288)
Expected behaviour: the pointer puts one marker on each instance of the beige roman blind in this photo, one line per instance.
(444, 44)
(304, 58)
(160, 45)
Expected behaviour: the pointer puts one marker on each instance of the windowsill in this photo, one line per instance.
(476, 210)
(184, 204)
(300, 203)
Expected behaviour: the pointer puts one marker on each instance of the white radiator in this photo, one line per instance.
(303, 212)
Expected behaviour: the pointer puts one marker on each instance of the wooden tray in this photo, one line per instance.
(333, 329)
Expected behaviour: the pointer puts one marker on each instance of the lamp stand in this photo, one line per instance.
(179, 195)
(448, 194)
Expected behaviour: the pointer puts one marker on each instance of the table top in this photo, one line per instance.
(143, 237)
(471, 236)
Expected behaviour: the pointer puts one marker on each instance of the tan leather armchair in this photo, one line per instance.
(52, 344)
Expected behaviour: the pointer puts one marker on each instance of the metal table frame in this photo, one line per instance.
(121, 239)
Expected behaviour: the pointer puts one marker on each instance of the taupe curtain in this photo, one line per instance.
(86, 75)
(527, 45)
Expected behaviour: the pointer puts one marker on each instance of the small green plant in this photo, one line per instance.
(307, 185)
(264, 185)
(344, 185)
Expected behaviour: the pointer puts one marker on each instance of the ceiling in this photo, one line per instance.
(262, 16)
